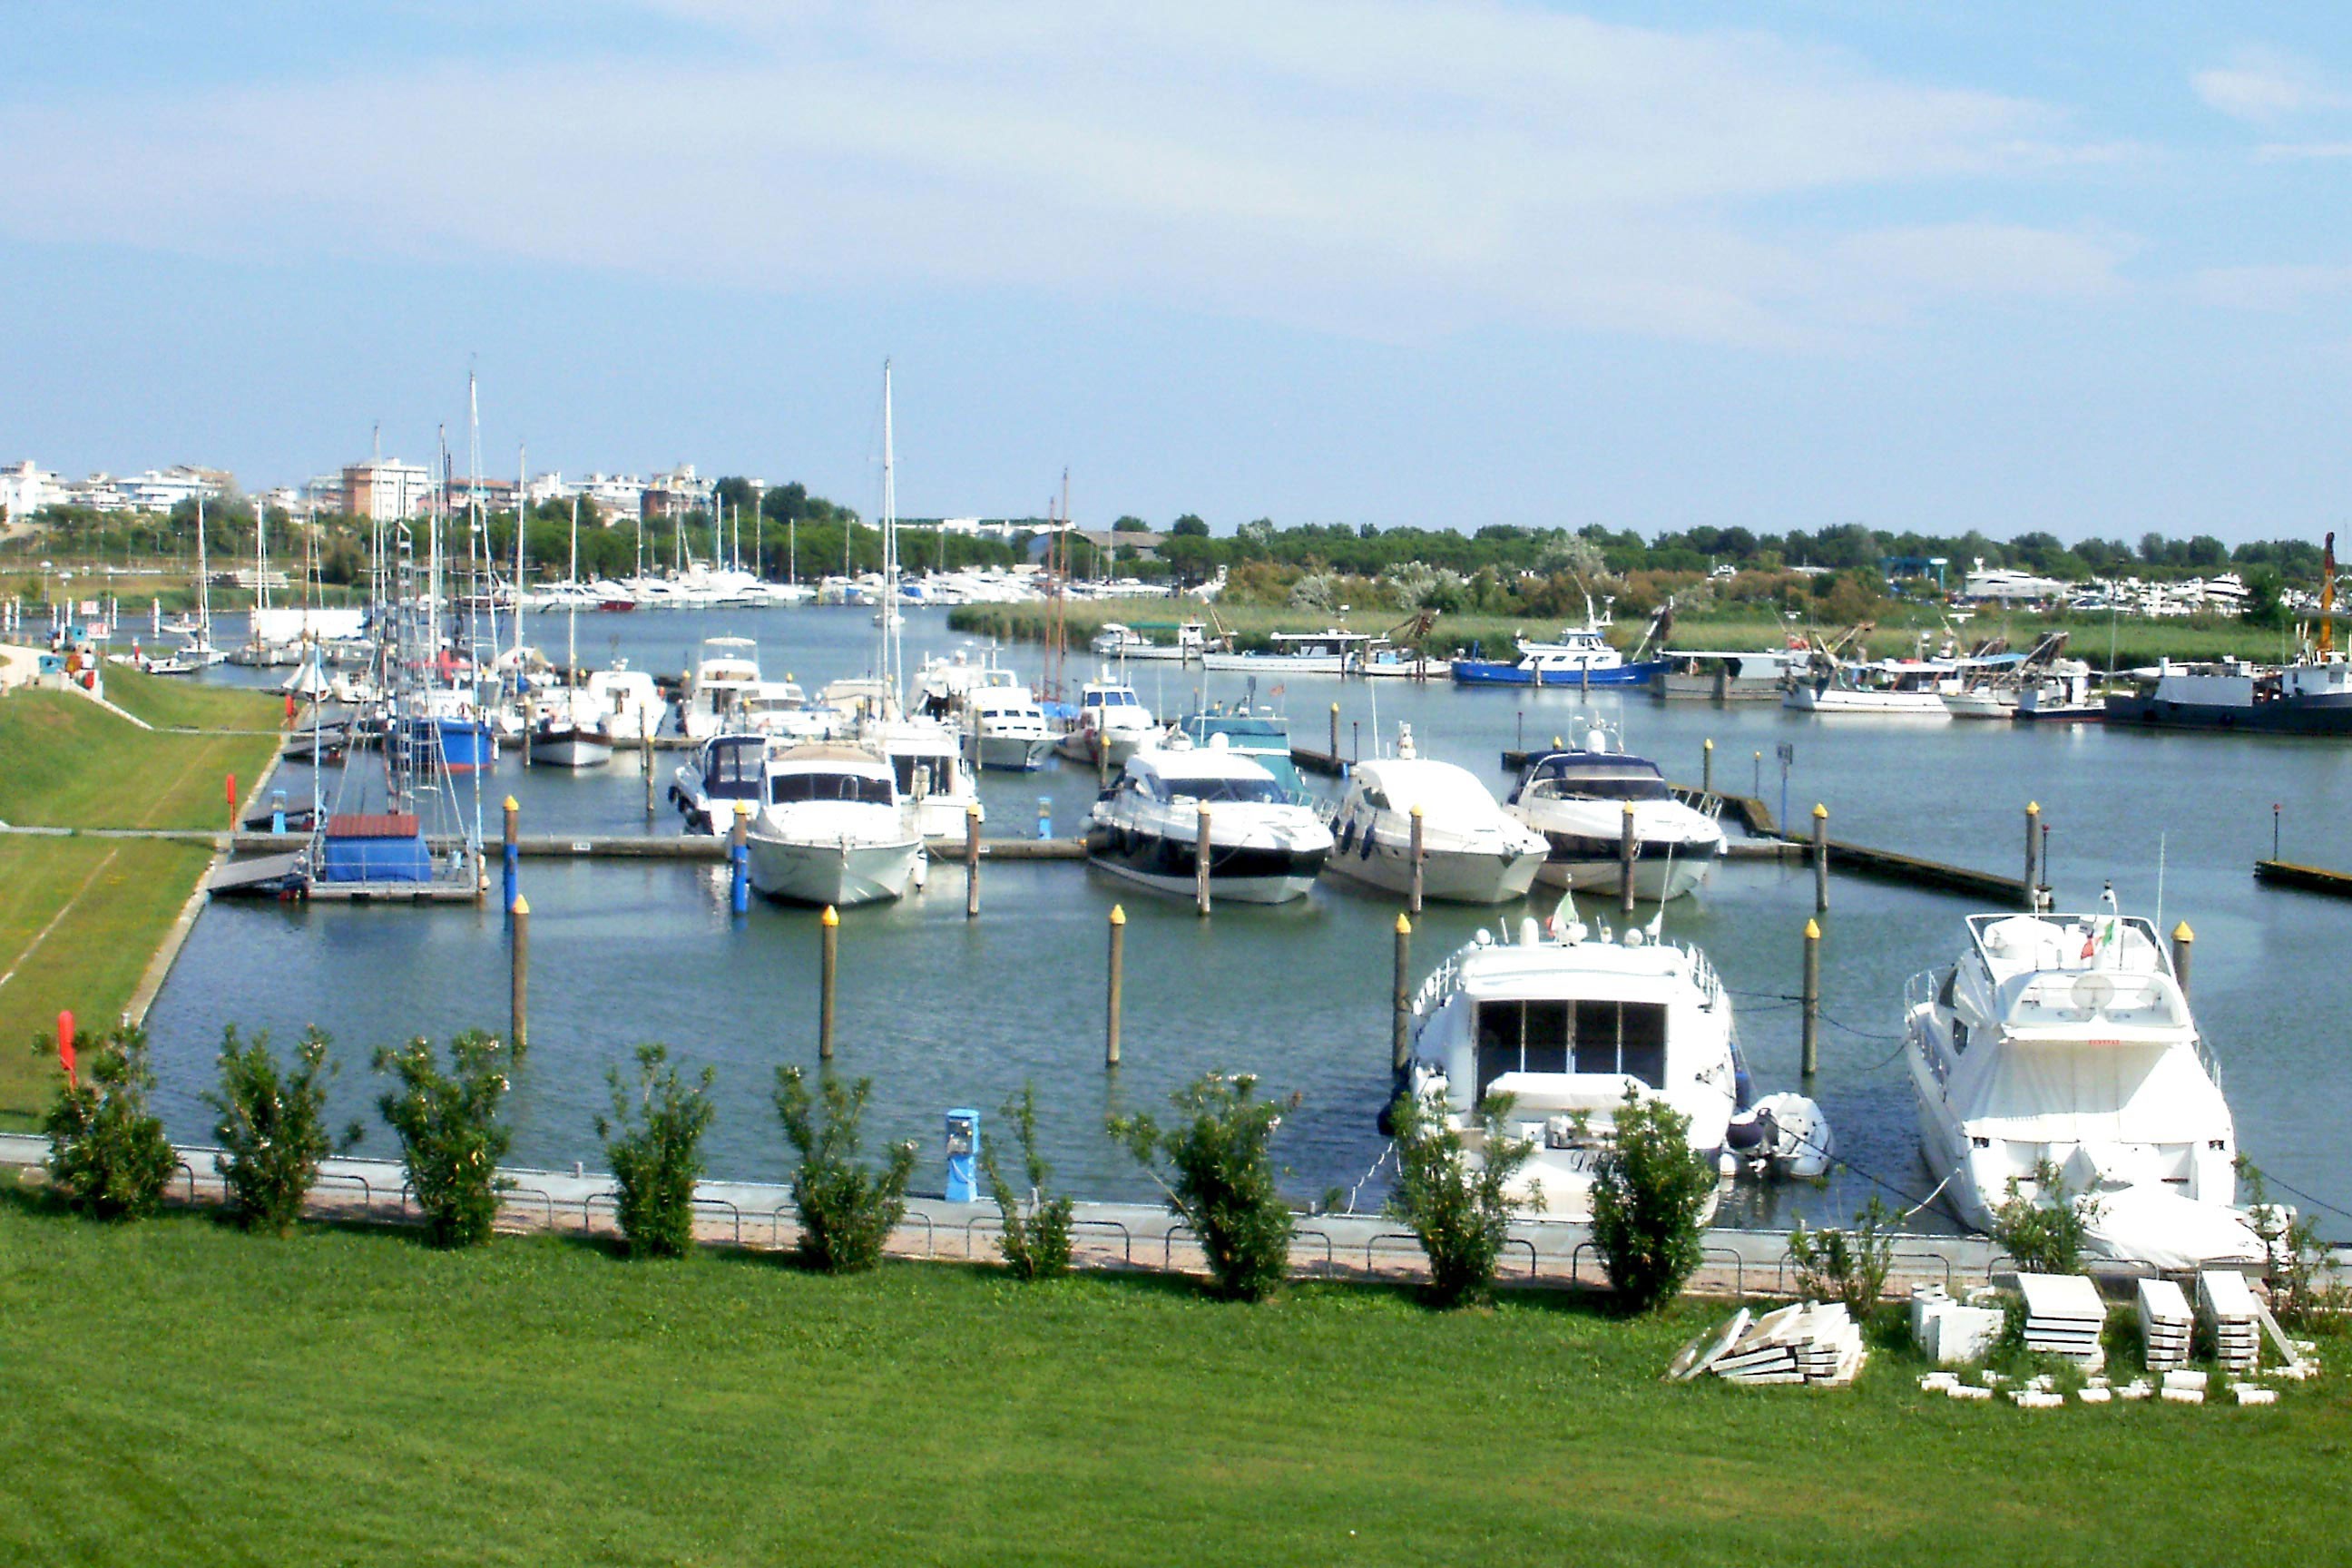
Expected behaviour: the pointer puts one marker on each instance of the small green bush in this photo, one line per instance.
(848, 1208)
(273, 1126)
(1452, 1201)
(107, 1150)
(653, 1141)
(1221, 1179)
(2044, 1234)
(1648, 1192)
(1848, 1265)
(451, 1139)
(2305, 1292)
(1037, 1239)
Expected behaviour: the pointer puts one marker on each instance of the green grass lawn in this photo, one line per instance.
(186, 1393)
(168, 703)
(70, 763)
(117, 898)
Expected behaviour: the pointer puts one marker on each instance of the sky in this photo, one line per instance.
(1447, 262)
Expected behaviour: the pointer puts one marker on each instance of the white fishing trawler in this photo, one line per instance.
(2064, 1042)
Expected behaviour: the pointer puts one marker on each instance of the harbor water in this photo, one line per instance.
(941, 1012)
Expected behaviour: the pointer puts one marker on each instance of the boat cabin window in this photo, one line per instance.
(935, 774)
(732, 771)
(1628, 1037)
(1259, 792)
(785, 789)
(1620, 784)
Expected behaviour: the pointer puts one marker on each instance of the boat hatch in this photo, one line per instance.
(1628, 1039)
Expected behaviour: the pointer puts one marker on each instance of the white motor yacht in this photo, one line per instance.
(829, 828)
(1577, 800)
(1262, 849)
(631, 704)
(571, 731)
(725, 770)
(2066, 1041)
(1112, 725)
(726, 671)
(928, 759)
(1006, 728)
(1472, 852)
(1566, 1023)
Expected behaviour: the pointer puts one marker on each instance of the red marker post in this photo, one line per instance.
(64, 1046)
(232, 802)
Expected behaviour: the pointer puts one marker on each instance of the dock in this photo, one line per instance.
(2304, 879)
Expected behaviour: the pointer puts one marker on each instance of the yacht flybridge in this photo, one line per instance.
(2065, 1042)
(1566, 1023)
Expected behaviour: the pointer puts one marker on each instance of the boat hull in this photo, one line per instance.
(1655, 880)
(1452, 879)
(1496, 672)
(1011, 753)
(837, 874)
(570, 749)
(2294, 716)
(1877, 704)
(1980, 705)
(1237, 873)
(1079, 746)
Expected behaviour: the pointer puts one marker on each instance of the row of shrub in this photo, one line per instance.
(1213, 1159)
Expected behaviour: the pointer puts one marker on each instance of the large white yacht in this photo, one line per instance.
(726, 671)
(1472, 852)
(1565, 1023)
(829, 828)
(1578, 799)
(2066, 1041)
(1005, 726)
(1262, 849)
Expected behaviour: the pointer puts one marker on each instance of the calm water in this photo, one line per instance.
(943, 1012)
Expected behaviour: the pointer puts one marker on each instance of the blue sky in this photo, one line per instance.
(1999, 266)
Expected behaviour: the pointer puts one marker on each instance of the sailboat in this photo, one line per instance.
(197, 652)
(572, 732)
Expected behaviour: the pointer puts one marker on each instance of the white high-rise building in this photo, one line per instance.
(25, 489)
(386, 489)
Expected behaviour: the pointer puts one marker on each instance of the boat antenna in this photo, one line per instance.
(2159, 881)
(1658, 920)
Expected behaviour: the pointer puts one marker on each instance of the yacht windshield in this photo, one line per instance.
(1606, 784)
(785, 789)
(731, 772)
(1261, 792)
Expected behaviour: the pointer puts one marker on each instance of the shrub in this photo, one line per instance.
(2044, 1234)
(1221, 1179)
(1451, 1200)
(2304, 1287)
(1037, 1239)
(451, 1140)
(107, 1150)
(654, 1140)
(847, 1209)
(1848, 1265)
(1648, 1191)
(273, 1126)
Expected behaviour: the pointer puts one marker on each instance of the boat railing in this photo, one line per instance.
(1918, 991)
(1703, 974)
(1439, 981)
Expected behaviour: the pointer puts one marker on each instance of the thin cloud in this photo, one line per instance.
(2264, 86)
(1394, 169)
(2278, 288)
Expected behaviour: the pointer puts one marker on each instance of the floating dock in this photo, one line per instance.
(2304, 879)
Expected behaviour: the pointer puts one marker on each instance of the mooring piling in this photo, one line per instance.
(1116, 987)
(1707, 766)
(646, 753)
(1821, 859)
(1625, 852)
(529, 726)
(1810, 1060)
(1400, 1001)
(739, 860)
(519, 974)
(512, 850)
(1201, 864)
(1335, 732)
(2032, 848)
(972, 861)
(2181, 939)
(828, 966)
(2040, 891)
(1413, 906)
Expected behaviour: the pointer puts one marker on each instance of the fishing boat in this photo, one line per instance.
(1007, 727)
(1581, 800)
(1146, 828)
(829, 827)
(1472, 852)
(1581, 657)
(1892, 688)
(2311, 696)
(1111, 725)
(1191, 640)
(1737, 676)
(2065, 1043)
(1329, 652)
(1567, 1022)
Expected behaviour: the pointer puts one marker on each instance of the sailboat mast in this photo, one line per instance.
(572, 607)
(522, 480)
(204, 579)
(890, 660)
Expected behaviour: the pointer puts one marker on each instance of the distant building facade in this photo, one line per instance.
(386, 489)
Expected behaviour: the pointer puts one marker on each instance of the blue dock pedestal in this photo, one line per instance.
(277, 811)
(1044, 817)
(964, 1157)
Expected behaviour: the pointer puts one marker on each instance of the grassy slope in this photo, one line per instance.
(167, 702)
(70, 763)
(351, 1396)
(119, 896)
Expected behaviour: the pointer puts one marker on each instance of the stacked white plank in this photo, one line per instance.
(2064, 1317)
(2226, 1304)
(2165, 1323)
(1949, 1333)
(1815, 1342)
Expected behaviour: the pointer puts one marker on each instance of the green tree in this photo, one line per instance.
(1648, 1192)
(451, 1139)
(1037, 1237)
(847, 1209)
(1454, 1201)
(1130, 525)
(1214, 1166)
(107, 1150)
(272, 1128)
(1189, 527)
